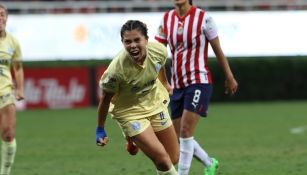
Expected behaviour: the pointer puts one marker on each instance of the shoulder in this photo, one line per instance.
(157, 48)
(207, 15)
(11, 37)
(202, 11)
(12, 41)
(168, 13)
(119, 64)
(117, 61)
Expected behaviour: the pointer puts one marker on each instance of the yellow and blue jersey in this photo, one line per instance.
(138, 91)
(9, 52)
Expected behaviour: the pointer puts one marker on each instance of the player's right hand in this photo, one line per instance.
(101, 137)
(231, 86)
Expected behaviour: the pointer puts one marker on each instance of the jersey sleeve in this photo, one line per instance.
(161, 34)
(17, 55)
(209, 27)
(109, 81)
(160, 51)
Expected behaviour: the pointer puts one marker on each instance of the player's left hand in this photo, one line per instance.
(231, 86)
(101, 137)
(19, 95)
(169, 89)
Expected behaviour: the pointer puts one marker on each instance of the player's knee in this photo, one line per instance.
(185, 131)
(8, 134)
(163, 162)
(174, 155)
(175, 158)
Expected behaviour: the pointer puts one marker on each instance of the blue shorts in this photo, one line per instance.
(194, 98)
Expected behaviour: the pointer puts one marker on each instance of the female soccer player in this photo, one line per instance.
(188, 30)
(10, 56)
(138, 98)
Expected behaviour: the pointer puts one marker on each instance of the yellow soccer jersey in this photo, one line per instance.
(9, 51)
(138, 91)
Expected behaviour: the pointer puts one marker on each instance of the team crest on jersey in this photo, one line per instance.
(180, 30)
(158, 67)
(136, 126)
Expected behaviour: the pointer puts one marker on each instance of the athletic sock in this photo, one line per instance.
(8, 150)
(186, 155)
(171, 171)
(201, 154)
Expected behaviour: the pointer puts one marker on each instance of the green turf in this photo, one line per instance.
(247, 139)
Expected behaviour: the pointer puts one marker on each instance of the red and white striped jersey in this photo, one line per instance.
(188, 38)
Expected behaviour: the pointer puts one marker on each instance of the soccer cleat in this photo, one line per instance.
(131, 147)
(211, 169)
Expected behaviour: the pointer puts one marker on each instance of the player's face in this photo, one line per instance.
(135, 44)
(3, 18)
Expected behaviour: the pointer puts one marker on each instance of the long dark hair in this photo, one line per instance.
(191, 2)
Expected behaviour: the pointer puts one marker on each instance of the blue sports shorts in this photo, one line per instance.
(194, 98)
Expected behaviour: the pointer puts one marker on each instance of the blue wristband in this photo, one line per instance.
(100, 133)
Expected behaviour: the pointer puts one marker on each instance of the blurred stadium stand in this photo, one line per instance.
(103, 6)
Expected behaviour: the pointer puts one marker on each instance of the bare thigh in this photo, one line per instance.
(149, 143)
(169, 140)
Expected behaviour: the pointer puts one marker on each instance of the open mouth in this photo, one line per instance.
(134, 53)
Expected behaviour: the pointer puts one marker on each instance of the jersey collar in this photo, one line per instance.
(192, 8)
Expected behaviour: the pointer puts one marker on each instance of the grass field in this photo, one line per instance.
(268, 138)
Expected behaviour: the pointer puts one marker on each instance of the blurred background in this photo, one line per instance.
(68, 44)
(265, 42)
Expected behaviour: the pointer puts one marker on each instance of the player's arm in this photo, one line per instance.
(231, 84)
(19, 76)
(162, 77)
(103, 108)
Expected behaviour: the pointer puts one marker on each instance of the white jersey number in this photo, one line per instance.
(196, 97)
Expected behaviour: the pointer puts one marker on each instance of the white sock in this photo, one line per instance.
(186, 155)
(8, 150)
(171, 171)
(201, 154)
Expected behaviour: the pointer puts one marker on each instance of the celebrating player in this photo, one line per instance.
(133, 87)
(188, 30)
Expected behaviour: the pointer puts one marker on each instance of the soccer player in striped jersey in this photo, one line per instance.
(10, 56)
(188, 31)
(136, 86)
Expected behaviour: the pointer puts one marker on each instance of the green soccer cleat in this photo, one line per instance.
(211, 169)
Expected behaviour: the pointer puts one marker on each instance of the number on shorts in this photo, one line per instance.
(196, 97)
(161, 116)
